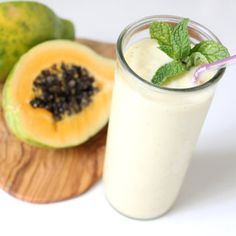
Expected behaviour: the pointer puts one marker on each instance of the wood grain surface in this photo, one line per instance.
(46, 175)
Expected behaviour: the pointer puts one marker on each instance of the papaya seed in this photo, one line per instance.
(63, 89)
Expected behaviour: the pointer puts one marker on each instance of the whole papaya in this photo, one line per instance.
(25, 24)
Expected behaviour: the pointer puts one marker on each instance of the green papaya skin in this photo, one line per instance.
(24, 25)
(68, 29)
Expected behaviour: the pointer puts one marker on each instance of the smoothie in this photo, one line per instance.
(152, 134)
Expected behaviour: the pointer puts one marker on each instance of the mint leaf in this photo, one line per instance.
(181, 41)
(162, 32)
(168, 70)
(195, 59)
(212, 50)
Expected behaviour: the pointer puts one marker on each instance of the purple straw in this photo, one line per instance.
(214, 66)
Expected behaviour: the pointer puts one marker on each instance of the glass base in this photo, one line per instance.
(136, 217)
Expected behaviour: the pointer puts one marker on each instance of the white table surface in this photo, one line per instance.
(207, 202)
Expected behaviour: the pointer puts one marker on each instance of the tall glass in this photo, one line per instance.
(152, 131)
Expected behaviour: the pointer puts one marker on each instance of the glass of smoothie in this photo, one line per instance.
(152, 129)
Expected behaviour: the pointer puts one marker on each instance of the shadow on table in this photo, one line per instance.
(211, 174)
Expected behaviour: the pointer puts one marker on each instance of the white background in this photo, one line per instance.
(207, 202)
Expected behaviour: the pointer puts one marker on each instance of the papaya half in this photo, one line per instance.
(25, 24)
(58, 94)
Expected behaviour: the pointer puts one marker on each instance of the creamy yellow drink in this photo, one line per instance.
(152, 133)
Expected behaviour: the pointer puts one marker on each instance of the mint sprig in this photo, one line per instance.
(175, 42)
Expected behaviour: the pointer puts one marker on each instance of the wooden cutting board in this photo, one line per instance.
(46, 175)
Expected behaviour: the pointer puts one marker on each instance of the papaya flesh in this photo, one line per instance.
(24, 25)
(38, 126)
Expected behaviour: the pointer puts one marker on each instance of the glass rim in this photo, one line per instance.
(168, 18)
